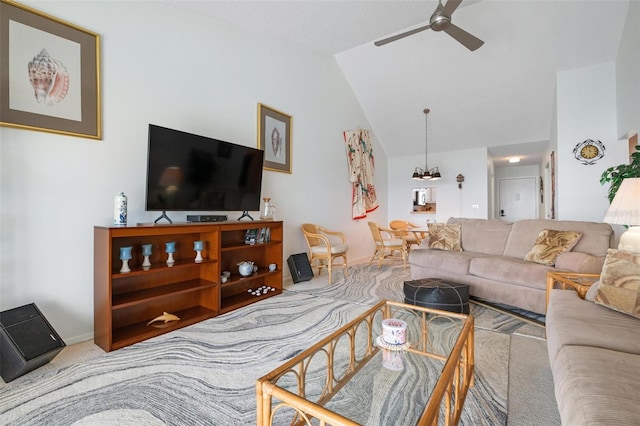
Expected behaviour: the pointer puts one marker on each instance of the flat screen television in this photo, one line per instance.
(187, 172)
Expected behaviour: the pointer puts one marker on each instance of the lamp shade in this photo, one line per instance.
(625, 210)
(436, 174)
(625, 207)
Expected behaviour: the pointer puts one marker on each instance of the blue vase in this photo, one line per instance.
(125, 256)
(170, 248)
(146, 252)
(146, 249)
(198, 246)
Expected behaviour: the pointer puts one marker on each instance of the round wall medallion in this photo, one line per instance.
(589, 151)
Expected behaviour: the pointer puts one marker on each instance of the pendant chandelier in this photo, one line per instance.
(426, 173)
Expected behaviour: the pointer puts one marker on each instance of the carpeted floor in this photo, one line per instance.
(531, 395)
(205, 374)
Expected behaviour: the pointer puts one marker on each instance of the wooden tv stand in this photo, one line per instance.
(125, 302)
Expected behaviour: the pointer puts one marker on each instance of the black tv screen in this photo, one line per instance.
(187, 172)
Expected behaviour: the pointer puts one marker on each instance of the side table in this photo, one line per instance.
(579, 282)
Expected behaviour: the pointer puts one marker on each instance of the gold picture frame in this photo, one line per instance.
(49, 73)
(274, 138)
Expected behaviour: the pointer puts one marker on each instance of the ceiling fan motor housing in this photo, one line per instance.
(439, 22)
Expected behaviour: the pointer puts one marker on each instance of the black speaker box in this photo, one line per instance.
(299, 267)
(27, 341)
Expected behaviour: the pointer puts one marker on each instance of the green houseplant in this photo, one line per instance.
(616, 174)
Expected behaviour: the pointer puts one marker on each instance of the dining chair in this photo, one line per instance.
(324, 247)
(404, 227)
(389, 244)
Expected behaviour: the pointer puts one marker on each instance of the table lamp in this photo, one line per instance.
(625, 210)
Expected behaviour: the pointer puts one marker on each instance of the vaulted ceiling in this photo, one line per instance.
(500, 96)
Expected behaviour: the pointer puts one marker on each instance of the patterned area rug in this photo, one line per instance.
(367, 284)
(205, 374)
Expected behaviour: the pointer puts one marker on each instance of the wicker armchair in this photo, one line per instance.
(324, 247)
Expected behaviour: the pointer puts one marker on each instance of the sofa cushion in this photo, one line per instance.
(596, 237)
(574, 321)
(442, 259)
(550, 244)
(596, 386)
(487, 236)
(579, 262)
(510, 270)
(445, 236)
(592, 292)
(620, 282)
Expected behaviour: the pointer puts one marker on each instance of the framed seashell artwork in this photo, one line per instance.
(274, 138)
(50, 81)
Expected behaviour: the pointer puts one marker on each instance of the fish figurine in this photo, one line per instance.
(166, 317)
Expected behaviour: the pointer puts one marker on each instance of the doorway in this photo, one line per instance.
(517, 199)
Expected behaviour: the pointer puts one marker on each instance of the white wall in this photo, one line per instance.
(450, 201)
(586, 103)
(628, 75)
(180, 70)
(517, 171)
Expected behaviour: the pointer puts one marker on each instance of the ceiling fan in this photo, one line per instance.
(441, 21)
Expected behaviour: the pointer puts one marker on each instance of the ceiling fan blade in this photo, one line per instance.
(399, 36)
(469, 41)
(450, 7)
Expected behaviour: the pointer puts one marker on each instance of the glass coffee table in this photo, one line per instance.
(351, 377)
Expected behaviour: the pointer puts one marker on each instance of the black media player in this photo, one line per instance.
(206, 217)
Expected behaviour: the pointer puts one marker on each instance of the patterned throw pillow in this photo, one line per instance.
(620, 282)
(550, 244)
(445, 236)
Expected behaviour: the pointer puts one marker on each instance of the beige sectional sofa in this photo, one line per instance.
(492, 258)
(595, 359)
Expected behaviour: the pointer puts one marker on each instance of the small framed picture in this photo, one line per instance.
(49, 73)
(274, 137)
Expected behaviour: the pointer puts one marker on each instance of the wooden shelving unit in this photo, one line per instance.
(124, 303)
(235, 292)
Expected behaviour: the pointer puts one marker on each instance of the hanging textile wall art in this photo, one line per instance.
(361, 171)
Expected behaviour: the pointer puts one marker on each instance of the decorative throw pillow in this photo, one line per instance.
(620, 282)
(550, 244)
(445, 236)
